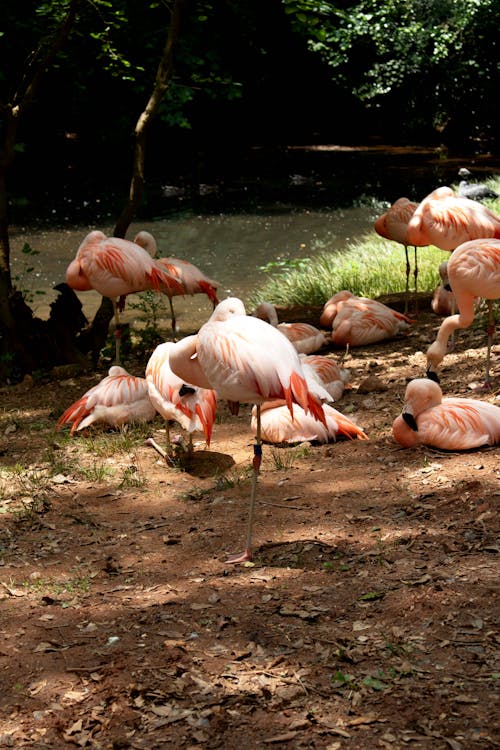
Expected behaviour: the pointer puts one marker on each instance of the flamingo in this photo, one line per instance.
(446, 220)
(357, 321)
(443, 301)
(473, 271)
(192, 407)
(393, 225)
(191, 279)
(115, 267)
(117, 399)
(329, 374)
(306, 338)
(245, 360)
(278, 425)
(447, 423)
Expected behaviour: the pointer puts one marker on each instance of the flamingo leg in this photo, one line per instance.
(407, 288)
(415, 276)
(174, 321)
(257, 459)
(118, 333)
(491, 331)
(451, 342)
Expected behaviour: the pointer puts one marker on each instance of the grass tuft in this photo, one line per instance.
(371, 268)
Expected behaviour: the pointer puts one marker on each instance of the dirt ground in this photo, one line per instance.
(368, 618)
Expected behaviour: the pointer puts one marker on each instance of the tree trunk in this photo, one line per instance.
(96, 335)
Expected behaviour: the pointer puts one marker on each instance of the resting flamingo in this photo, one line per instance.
(448, 423)
(443, 301)
(115, 267)
(393, 225)
(306, 338)
(357, 321)
(327, 372)
(192, 407)
(245, 360)
(278, 425)
(446, 220)
(189, 276)
(117, 399)
(473, 271)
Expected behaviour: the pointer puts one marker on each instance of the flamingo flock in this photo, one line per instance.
(239, 358)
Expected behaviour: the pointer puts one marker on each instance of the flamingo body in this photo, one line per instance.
(473, 271)
(279, 426)
(446, 220)
(192, 407)
(115, 267)
(305, 337)
(117, 399)
(327, 372)
(445, 423)
(357, 321)
(191, 279)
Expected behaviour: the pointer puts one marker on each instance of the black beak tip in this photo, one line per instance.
(410, 421)
(432, 376)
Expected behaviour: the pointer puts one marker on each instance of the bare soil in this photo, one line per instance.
(368, 618)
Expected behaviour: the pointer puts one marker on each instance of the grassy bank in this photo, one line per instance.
(370, 268)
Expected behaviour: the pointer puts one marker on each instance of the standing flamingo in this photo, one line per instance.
(117, 399)
(115, 267)
(192, 407)
(357, 321)
(245, 360)
(446, 220)
(278, 425)
(189, 276)
(306, 338)
(473, 271)
(454, 424)
(393, 225)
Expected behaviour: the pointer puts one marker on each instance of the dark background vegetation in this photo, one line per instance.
(245, 77)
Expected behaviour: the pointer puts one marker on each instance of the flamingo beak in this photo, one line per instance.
(432, 375)
(410, 419)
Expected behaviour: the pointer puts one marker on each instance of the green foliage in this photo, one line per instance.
(426, 55)
(372, 268)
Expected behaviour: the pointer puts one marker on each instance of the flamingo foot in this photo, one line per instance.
(244, 556)
(481, 388)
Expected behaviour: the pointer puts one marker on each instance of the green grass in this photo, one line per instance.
(370, 268)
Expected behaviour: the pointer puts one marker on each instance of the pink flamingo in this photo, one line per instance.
(447, 423)
(117, 399)
(330, 375)
(189, 276)
(443, 301)
(446, 220)
(393, 225)
(115, 267)
(246, 361)
(278, 425)
(357, 321)
(192, 407)
(306, 338)
(473, 271)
